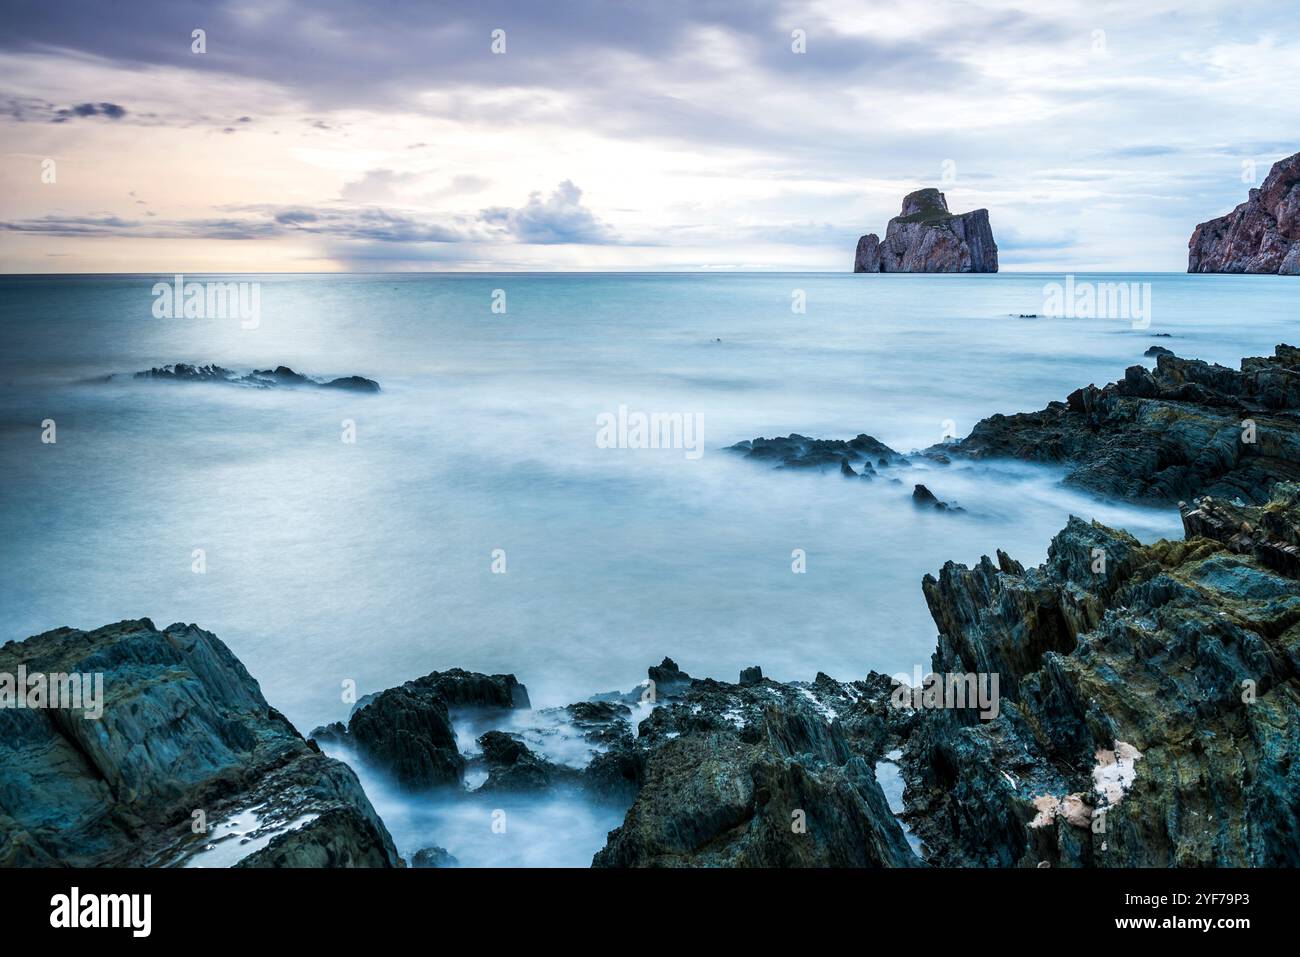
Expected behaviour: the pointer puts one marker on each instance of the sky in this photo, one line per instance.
(323, 135)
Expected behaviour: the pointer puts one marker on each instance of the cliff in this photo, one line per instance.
(1262, 235)
(926, 237)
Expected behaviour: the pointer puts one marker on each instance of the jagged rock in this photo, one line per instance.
(800, 452)
(926, 237)
(1150, 701)
(427, 857)
(184, 728)
(616, 775)
(922, 497)
(669, 680)
(407, 731)
(751, 676)
(280, 376)
(512, 766)
(1270, 534)
(601, 722)
(1156, 351)
(758, 775)
(1163, 435)
(1262, 235)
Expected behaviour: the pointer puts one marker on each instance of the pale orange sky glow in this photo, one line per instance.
(304, 139)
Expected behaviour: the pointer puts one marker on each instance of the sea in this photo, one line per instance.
(495, 506)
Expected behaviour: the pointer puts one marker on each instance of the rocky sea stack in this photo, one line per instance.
(1262, 235)
(926, 237)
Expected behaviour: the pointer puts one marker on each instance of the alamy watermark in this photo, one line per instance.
(40, 691)
(209, 300)
(75, 909)
(935, 691)
(1085, 299)
(651, 430)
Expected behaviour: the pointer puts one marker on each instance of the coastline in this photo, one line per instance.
(764, 773)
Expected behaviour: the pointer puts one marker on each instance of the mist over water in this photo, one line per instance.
(372, 562)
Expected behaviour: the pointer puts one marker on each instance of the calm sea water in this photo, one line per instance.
(372, 561)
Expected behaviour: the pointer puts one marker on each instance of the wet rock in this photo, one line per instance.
(922, 497)
(433, 857)
(1268, 534)
(669, 680)
(184, 728)
(926, 237)
(602, 722)
(1262, 235)
(279, 377)
(1150, 705)
(336, 732)
(757, 775)
(408, 732)
(800, 452)
(1157, 351)
(1163, 435)
(512, 766)
(616, 775)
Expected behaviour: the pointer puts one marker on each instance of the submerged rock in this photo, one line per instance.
(922, 497)
(1262, 235)
(926, 237)
(1150, 700)
(280, 376)
(800, 452)
(185, 741)
(1158, 436)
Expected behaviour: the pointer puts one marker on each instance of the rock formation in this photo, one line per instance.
(1150, 712)
(185, 740)
(1162, 435)
(1146, 710)
(800, 452)
(279, 377)
(1262, 235)
(408, 731)
(926, 237)
(763, 774)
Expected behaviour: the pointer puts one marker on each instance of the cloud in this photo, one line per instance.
(559, 219)
(692, 124)
(110, 110)
(376, 185)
